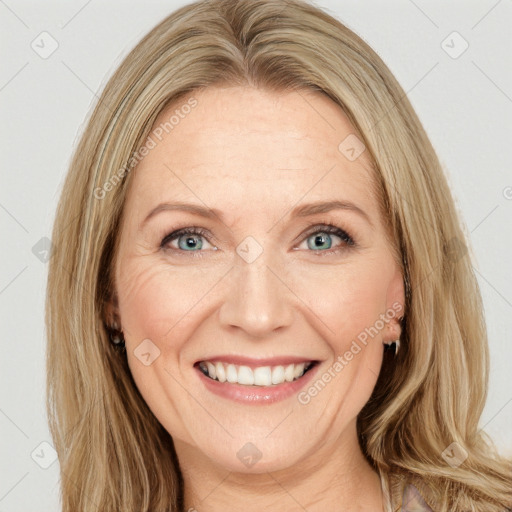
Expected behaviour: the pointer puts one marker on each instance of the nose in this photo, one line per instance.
(257, 300)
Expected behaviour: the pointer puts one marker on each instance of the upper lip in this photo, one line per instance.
(255, 362)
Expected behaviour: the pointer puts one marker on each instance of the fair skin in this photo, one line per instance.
(255, 155)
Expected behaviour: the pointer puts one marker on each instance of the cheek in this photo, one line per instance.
(156, 303)
(353, 312)
(346, 299)
(145, 302)
(156, 300)
(350, 301)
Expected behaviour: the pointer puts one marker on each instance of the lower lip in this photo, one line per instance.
(256, 394)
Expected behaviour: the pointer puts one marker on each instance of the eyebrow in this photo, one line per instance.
(303, 210)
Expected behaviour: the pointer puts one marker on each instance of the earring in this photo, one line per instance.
(116, 338)
(396, 345)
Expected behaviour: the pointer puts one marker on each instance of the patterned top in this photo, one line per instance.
(411, 499)
(402, 495)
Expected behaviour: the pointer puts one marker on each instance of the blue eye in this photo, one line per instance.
(191, 240)
(323, 239)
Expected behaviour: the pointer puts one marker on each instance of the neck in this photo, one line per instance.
(334, 477)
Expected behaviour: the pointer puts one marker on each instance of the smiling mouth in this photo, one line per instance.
(258, 376)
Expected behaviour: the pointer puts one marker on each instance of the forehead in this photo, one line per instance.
(242, 147)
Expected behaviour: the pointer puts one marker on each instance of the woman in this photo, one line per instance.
(260, 295)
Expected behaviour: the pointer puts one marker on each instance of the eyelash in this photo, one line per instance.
(327, 228)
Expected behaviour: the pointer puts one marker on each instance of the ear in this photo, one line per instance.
(111, 314)
(395, 307)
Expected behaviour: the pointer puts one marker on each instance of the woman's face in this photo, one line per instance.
(266, 288)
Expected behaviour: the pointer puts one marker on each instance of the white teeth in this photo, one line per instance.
(263, 376)
(245, 376)
(260, 376)
(299, 370)
(211, 369)
(288, 372)
(221, 373)
(231, 374)
(277, 375)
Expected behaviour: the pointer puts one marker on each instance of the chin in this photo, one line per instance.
(254, 457)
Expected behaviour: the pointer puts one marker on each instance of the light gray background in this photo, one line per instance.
(465, 104)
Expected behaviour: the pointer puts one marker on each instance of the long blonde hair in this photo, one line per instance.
(114, 455)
